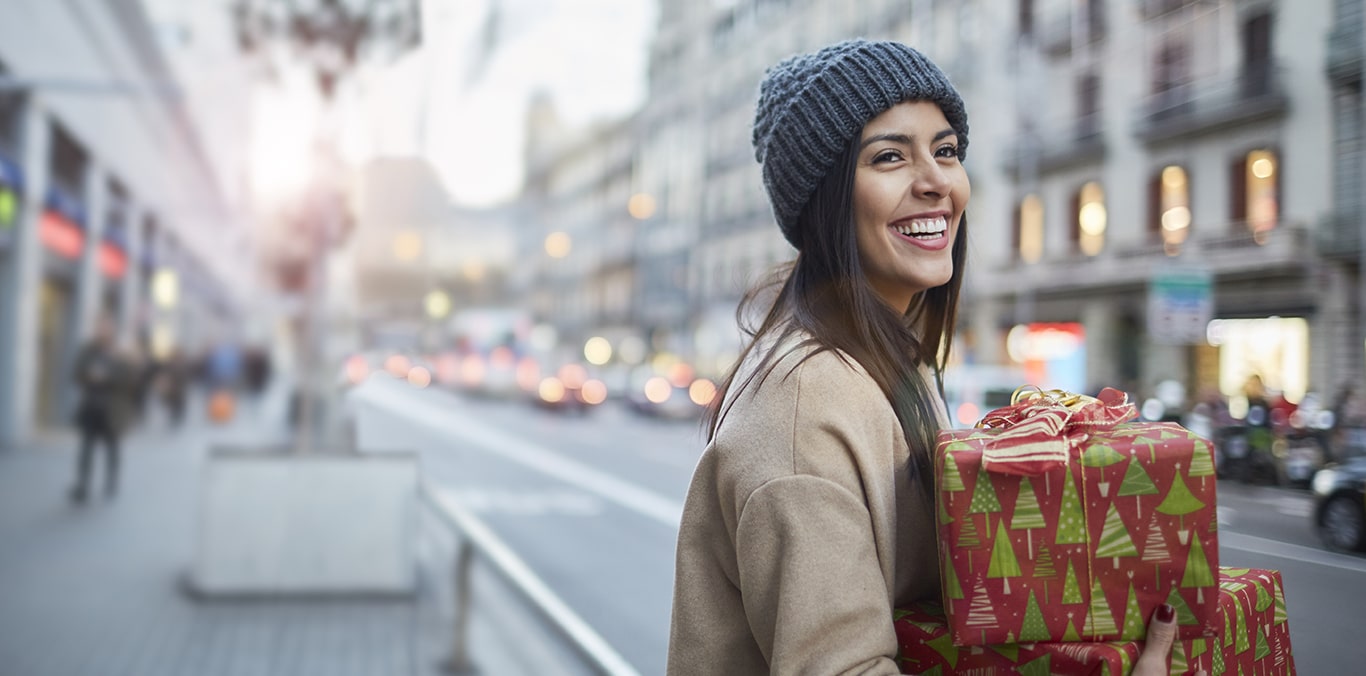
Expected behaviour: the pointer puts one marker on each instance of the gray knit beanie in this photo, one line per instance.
(811, 105)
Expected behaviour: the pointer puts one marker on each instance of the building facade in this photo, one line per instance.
(108, 205)
(1162, 189)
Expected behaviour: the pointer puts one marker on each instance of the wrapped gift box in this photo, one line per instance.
(1254, 638)
(1069, 524)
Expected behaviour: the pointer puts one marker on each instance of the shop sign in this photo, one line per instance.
(1180, 305)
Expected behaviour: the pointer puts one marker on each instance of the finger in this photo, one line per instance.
(1158, 646)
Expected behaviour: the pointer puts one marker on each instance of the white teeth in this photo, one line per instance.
(923, 226)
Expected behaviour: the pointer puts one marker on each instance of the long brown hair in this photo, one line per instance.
(826, 294)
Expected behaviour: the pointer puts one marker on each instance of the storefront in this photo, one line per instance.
(1276, 349)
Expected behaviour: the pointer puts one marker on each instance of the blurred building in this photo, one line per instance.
(1162, 189)
(107, 203)
(412, 244)
(577, 266)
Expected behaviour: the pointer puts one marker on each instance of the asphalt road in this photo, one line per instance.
(591, 504)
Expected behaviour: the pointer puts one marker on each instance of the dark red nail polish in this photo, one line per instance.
(1166, 613)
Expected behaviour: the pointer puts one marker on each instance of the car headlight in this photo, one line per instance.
(1324, 481)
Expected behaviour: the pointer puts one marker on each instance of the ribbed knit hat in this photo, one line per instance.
(811, 105)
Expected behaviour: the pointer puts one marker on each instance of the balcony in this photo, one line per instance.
(1228, 255)
(1342, 63)
(1255, 93)
(1058, 146)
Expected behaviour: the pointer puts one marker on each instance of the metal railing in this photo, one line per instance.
(475, 538)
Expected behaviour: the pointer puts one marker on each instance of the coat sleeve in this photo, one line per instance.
(812, 586)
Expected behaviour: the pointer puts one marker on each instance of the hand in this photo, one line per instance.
(1157, 650)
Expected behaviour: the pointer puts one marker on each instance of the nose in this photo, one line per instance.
(930, 181)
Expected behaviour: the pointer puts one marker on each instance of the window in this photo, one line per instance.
(1029, 229)
(1026, 8)
(1256, 75)
(1255, 192)
(1169, 213)
(1091, 217)
(1088, 106)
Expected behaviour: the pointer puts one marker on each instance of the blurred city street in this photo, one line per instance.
(401, 317)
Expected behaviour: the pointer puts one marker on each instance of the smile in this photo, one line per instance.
(930, 233)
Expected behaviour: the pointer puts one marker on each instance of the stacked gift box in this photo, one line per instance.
(1062, 522)
(1254, 639)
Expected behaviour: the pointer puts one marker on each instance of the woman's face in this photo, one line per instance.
(909, 194)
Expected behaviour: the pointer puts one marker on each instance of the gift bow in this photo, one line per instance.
(1040, 427)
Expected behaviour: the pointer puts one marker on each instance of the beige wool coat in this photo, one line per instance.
(801, 529)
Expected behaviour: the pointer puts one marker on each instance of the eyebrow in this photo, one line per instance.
(903, 139)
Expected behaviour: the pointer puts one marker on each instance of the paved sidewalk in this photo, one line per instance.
(98, 588)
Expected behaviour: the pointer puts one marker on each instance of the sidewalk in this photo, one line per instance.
(97, 588)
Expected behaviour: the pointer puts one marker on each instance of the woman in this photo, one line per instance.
(810, 515)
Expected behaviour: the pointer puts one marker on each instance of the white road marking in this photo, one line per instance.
(526, 453)
(1285, 550)
(528, 503)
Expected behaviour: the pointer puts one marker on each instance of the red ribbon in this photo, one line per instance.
(1040, 428)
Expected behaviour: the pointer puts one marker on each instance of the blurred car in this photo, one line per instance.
(673, 392)
(570, 389)
(1340, 505)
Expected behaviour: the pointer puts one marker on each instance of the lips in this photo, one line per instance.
(927, 228)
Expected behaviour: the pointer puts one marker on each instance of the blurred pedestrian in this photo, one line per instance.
(811, 515)
(172, 379)
(106, 380)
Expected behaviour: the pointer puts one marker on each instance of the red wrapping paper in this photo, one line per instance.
(1119, 519)
(1250, 641)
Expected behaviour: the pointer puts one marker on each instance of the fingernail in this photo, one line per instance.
(1166, 613)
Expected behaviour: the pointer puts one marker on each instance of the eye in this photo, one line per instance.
(885, 156)
(947, 150)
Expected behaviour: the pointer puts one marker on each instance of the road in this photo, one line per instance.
(591, 504)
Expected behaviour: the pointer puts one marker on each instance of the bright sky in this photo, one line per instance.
(589, 54)
(465, 113)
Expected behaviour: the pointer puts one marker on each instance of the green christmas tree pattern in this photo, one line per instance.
(1217, 667)
(1043, 567)
(1114, 538)
(1179, 501)
(1184, 616)
(1262, 648)
(1102, 456)
(1263, 598)
(1136, 482)
(1028, 515)
(1197, 574)
(1071, 591)
(1198, 647)
(1202, 461)
(980, 613)
(1155, 550)
(941, 509)
(1100, 619)
(1032, 628)
(945, 647)
(1240, 642)
(1228, 631)
(1134, 626)
(984, 500)
(1070, 634)
(1039, 666)
(950, 479)
(1280, 652)
(952, 588)
(1071, 519)
(1009, 650)
(1004, 565)
(1180, 662)
(968, 539)
(1280, 616)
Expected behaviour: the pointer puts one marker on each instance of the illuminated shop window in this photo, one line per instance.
(1091, 219)
(1262, 201)
(1031, 229)
(1174, 209)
